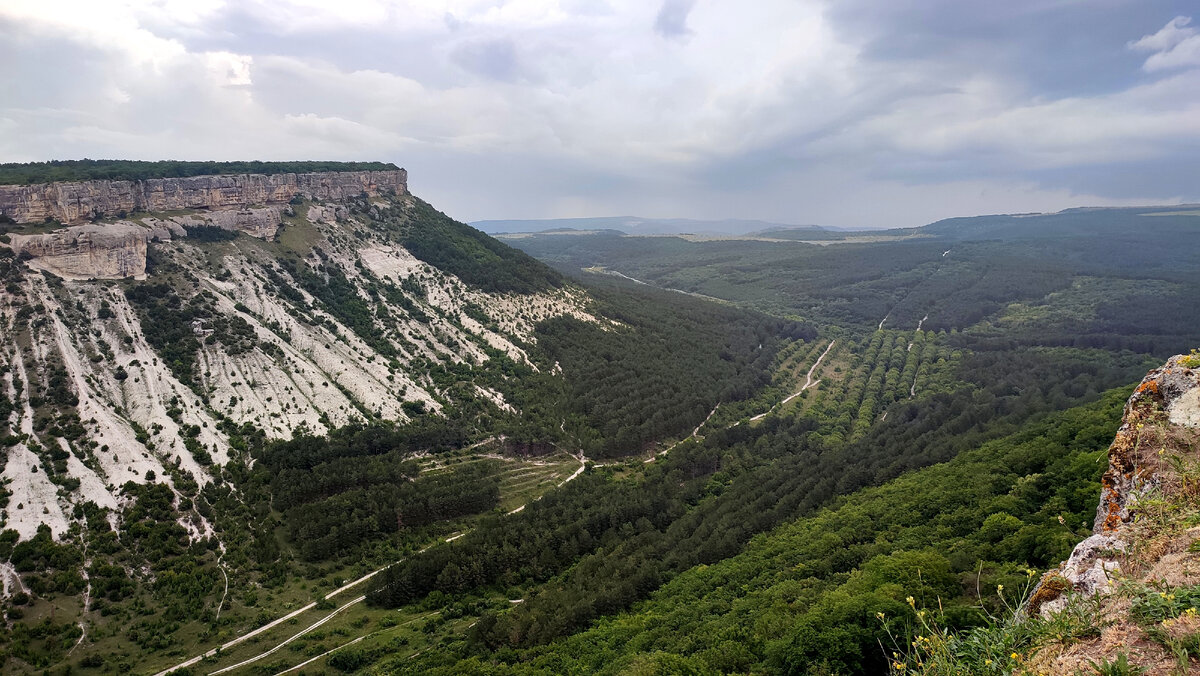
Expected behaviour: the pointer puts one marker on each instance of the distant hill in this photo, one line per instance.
(1078, 222)
(635, 225)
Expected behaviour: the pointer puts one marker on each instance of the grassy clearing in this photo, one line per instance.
(521, 479)
(298, 235)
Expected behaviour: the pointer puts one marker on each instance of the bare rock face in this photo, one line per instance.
(249, 203)
(76, 202)
(1168, 399)
(1090, 570)
(1170, 392)
(262, 222)
(112, 251)
(118, 250)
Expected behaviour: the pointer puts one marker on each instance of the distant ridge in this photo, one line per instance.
(636, 225)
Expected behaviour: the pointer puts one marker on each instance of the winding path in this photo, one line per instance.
(694, 435)
(808, 382)
(327, 653)
(225, 593)
(295, 636)
(599, 270)
(267, 627)
(919, 325)
(271, 625)
(582, 466)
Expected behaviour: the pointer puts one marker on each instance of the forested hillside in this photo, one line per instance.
(831, 593)
(263, 418)
(1098, 277)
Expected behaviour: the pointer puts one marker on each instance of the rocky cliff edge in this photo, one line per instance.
(118, 250)
(1146, 537)
(77, 202)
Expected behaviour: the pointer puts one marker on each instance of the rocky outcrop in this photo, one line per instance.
(249, 203)
(1163, 411)
(111, 251)
(118, 250)
(262, 222)
(77, 202)
(1161, 400)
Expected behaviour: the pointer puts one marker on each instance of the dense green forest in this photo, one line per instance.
(15, 173)
(1039, 327)
(806, 597)
(614, 542)
(659, 372)
(465, 252)
(956, 273)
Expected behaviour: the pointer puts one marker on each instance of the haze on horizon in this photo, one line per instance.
(852, 113)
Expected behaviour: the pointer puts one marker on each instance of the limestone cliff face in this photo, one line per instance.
(77, 202)
(1161, 420)
(118, 250)
(112, 251)
(262, 222)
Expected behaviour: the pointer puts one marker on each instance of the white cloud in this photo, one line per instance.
(986, 121)
(1175, 32)
(228, 69)
(1186, 54)
(588, 92)
(113, 28)
(1176, 45)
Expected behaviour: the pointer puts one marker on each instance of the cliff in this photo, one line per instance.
(111, 251)
(77, 202)
(118, 250)
(154, 373)
(1145, 535)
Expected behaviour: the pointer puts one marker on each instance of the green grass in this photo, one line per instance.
(1002, 644)
(31, 228)
(521, 479)
(1119, 666)
(298, 235)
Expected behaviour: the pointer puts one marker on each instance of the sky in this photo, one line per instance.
(859, 113)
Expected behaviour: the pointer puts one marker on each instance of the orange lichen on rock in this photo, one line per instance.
(1152, 465)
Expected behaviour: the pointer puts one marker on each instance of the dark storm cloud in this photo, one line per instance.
(1060, 48)
(671, 21)
(492, 59)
